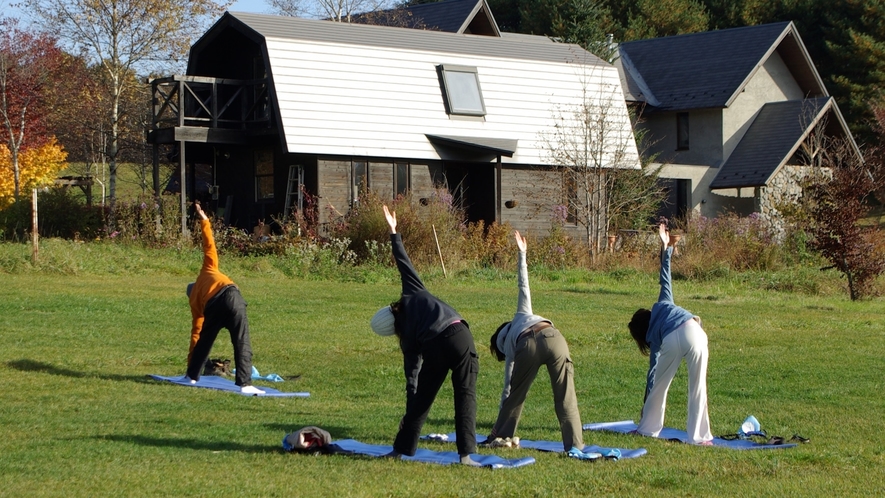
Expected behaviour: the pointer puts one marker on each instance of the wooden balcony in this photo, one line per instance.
(211, 110)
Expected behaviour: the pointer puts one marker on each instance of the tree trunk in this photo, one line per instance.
(112, 157)
(16, 173)
(852, 291)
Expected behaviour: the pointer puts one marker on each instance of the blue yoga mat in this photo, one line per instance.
(550, 446)
(626, 426)
(222, 384)
(430, 456)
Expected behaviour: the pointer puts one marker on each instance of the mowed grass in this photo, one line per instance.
(80, 417)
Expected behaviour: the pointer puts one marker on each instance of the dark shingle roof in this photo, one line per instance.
(769, 142)
(451, 16)
(448, 15)
(702, 70)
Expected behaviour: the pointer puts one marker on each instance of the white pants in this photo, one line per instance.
(689, 341)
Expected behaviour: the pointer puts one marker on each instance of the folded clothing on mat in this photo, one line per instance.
(628, 426)
(222, 384)
(550, 446)
(307, 440)
(354, 447)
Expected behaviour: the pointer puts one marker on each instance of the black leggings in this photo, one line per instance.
(225, 310)
(453, 349)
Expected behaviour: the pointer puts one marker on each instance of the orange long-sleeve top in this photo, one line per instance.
(208, 283)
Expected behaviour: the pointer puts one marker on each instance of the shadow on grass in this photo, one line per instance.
(42, 367)
(193, 444)
(596, 290)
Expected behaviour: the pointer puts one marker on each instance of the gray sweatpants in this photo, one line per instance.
(544, 347)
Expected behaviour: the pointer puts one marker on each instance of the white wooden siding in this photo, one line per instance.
(374, 101)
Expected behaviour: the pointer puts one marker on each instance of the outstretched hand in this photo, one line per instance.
(664, 233)
(520, 241)
(391, 219)
(199, 210)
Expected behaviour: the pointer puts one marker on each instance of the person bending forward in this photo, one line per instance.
(525, 344)
(669, 334)
(216, 303)
(434, 340)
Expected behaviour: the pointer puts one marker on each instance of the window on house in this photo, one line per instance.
(568, 211)
(263, 174)
(462, 91)
(400, 178)
(360, 184)
(681, 131)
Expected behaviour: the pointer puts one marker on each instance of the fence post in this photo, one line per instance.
(35, 235)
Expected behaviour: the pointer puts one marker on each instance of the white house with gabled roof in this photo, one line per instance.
(271, 103)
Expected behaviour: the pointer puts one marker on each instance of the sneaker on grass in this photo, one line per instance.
(251, 390)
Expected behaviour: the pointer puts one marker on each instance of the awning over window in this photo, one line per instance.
(497, 146)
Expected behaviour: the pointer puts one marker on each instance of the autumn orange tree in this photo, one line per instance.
(29, 69)
(38, 166)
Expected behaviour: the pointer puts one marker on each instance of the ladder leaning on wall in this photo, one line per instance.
(293, 188)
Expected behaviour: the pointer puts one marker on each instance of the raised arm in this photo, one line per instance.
(410, 279)
(524, 299)
(391, 219)
(666, 253)
(210, 254)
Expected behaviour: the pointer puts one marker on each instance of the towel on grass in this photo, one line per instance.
(257, 376)
(222, 384)
(352, 446)
(625, 426)
(551, 446)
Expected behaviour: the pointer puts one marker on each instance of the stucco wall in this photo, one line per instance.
(704, 131)
(704, 201)
(773, 82)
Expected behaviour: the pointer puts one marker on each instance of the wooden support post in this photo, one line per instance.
(183, 184)
(155, 170)
(498, 194)
(35, 234)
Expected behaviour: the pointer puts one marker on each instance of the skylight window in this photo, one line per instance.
(463, 94)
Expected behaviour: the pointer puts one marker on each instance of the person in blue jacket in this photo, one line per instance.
(434, 340)
(669, 334)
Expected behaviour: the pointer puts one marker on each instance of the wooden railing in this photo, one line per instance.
(210, 102)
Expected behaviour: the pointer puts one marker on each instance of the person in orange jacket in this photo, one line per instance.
(216, 303)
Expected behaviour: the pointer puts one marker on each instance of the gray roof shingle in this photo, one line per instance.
(415, 39)
(701, 70)
(770, 141)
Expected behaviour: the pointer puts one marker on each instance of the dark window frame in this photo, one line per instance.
(453, 98)
(359, 170)
(570, 198)
(404, 169)
(682, 131)
(264, 175)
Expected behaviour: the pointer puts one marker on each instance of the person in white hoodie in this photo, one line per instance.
(524, 344)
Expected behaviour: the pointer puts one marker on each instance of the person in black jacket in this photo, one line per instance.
(434, 340)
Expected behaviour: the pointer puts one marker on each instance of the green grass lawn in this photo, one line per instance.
(80, 417)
